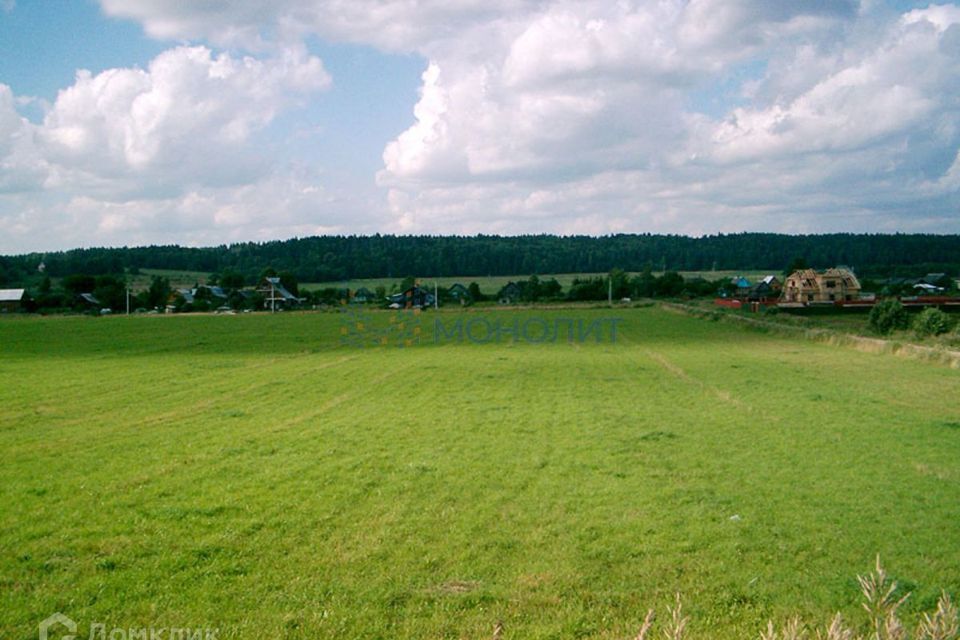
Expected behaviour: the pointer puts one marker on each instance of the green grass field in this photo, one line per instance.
(250, 473)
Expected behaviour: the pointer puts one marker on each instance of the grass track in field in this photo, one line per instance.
(249, 473)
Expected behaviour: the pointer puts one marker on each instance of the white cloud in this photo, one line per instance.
(21, 166)
(185, 120)
(853, 125)
(139, 145)
(688, 116)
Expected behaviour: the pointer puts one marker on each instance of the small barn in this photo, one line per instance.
(459, 293)
(11, 300)
(510, 293)
(363, 295)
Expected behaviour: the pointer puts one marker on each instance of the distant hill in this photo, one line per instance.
(332, 258)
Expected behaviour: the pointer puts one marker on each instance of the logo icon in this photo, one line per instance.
(58, 619)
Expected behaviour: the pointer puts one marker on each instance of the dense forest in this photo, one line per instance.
(331, 258)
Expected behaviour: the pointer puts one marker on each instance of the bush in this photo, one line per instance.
(887, 316)
(931, 322)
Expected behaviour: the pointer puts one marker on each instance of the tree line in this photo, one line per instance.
(333, 258)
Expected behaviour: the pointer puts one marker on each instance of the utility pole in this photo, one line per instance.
(273, 298)
(436, 295)
(610, 290)
(128, 300)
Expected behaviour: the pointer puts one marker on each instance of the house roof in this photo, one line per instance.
(11, 295)
(279, 289)
(510, 287)
(217, 292)
(769, 279)
(89, 297)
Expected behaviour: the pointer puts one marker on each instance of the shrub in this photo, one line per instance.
(888, 315)
(881, 600)
(931, 322)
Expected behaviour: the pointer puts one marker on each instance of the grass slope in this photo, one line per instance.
(249, 473)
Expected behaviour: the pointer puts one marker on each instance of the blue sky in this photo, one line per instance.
(202, 123)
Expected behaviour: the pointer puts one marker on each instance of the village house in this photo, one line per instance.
(742, 286)
(509, 294)
(768, 287)
(363, 295)
(210, 292)
(11, 300)
(459, 293)
(831, 285)
(416, 297)
(275, 295)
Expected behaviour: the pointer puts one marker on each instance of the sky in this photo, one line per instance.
(132, 122)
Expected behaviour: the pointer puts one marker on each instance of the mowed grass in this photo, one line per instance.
(249, 473)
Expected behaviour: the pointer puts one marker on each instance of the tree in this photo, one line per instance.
(78, 283)
(158, 293)
(669, 284)
(931, 322)
(551, 289)
(643, 285)
(887, 316)
(797, 264)
(619, 284)
(531, 289)
(588, 289)
(289, 282)
(231, 280)
(110, 291)
(475, 294)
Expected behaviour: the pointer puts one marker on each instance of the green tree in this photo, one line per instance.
(78, 283)
(231, 280)
(931, 322)
(797, 264)
(620, 285)
(110, 291)
(158, 293)
(669, 284)
(888, 315)
(644, 285)
(551, 289)
(289, 282)
(531, 288)
(475, 294)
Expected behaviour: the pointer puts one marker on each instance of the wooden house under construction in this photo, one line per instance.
(831, 285)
